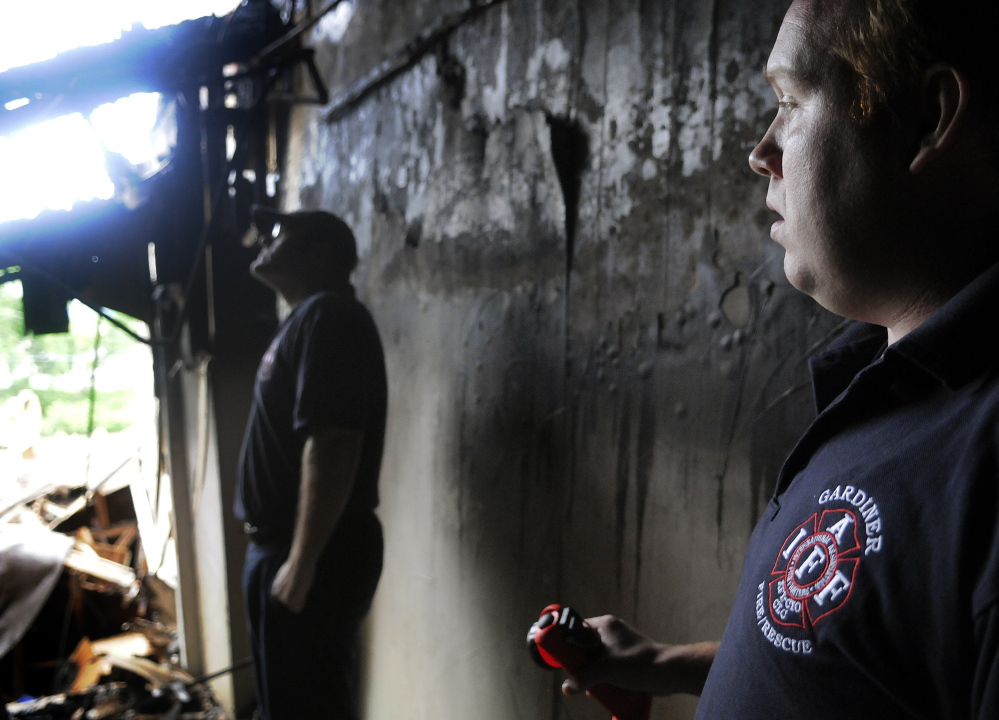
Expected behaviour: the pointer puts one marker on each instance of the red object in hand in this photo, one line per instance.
(560, 638)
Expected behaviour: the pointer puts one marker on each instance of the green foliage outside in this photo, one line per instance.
(24, 356)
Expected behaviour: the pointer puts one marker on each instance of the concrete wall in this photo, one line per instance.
(596, 365)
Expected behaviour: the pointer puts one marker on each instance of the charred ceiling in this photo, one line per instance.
(169, 60)
(224, 82)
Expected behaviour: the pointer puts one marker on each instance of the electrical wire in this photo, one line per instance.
(93, 397)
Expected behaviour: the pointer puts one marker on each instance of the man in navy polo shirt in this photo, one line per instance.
(309, 472)
(870, 587)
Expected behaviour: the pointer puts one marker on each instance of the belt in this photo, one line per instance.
(263, 536)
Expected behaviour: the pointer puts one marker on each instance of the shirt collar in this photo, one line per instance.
(834, 368)
(954, 345)
(958, 342)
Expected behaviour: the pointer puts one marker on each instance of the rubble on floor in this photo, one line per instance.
(86, 631)
(124, 700)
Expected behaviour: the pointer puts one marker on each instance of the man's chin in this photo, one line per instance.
(822, 293)
(259, 272)
(261, 268)
(800, 279)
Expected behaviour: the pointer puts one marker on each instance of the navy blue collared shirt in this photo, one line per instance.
(870, 586)
(324, 368)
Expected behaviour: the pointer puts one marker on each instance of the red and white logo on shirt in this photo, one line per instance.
(816, 568)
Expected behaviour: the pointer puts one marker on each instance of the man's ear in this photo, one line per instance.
(944, 111)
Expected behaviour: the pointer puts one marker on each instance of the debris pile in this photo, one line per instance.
(134, 688)
(86, 631)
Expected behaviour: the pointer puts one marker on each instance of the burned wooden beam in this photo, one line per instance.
(166, 59)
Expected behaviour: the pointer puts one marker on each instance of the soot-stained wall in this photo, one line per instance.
(596, 365)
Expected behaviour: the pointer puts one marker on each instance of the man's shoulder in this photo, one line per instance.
(326, 300)
(332, 306)
(332, 319)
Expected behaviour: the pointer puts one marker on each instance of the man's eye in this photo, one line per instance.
(786, 104)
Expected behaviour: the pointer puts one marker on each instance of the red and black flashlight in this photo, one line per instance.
(560, 638)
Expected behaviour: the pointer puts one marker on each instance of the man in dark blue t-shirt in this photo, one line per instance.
(870, 587)
(309, 472)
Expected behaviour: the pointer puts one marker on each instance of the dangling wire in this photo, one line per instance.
(93, 396)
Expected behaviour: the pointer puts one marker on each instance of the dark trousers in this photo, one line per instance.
(306, 663)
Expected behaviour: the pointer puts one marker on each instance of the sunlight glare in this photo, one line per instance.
(125, 126)
(156, 13)
(25, 40)
(54, 164)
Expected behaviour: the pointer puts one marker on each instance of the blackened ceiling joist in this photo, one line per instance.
(165, 59)
(98, 251)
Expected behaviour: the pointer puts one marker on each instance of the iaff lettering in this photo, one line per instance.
(777, 639)
(865, 505)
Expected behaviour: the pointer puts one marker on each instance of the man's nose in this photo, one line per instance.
(765, 158)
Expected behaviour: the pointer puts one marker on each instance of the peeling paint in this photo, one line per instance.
(661, 118)
(619, 158)
(494, 96)
(334, 25)
(440, 137)
(695, 123)
(358, 168)
(548, 62)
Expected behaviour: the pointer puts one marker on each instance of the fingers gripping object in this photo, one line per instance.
(560, 638)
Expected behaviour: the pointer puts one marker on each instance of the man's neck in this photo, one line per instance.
(293, 297)
(910, 321)
(909, 316)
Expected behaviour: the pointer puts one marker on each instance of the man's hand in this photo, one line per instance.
(292, 584)
(636, 662)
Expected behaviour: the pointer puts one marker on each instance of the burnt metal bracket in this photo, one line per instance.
(276, 64)
(285, 52)
(407, 57)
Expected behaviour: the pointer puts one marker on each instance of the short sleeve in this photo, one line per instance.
(334, 367)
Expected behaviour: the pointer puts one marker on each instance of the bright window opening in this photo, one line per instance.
(63, 161)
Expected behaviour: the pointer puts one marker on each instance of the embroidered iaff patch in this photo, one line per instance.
(815, 570)
(816, 567)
